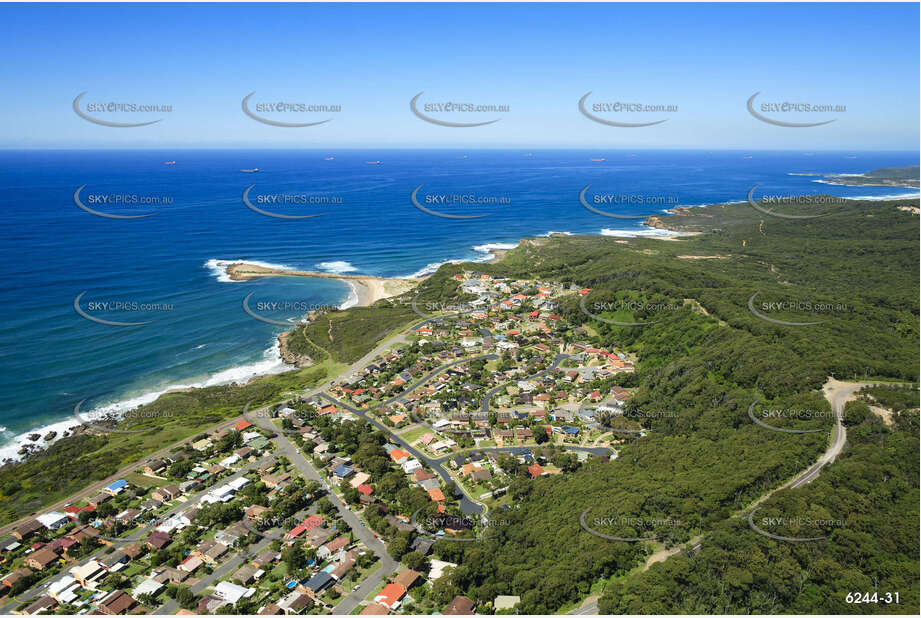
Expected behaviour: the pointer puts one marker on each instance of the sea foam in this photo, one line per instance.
(218, 268)
(241, 374)
(338, 267)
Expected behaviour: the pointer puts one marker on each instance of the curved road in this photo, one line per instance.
(484, 404)
(467, 506)
(838, 393)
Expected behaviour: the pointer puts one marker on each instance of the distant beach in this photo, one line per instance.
(377, 248)
(366, 289)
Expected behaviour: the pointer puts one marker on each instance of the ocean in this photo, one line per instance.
(166, 269)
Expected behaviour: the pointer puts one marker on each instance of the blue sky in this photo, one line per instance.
(539, 59)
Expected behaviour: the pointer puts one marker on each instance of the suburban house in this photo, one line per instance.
(460, 606)
(391, 596)
(27, 528)
(89, 575)
(53, 520)
(165, 494)
(158, 540)
(155, 467)
(116, 487)
(118, 602)
(41, 559)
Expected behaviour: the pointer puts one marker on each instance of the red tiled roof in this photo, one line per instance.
(391, 594)
(398, 454)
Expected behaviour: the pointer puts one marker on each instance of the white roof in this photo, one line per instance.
(148, 586)
(412, 464)
(440, 423)
(229, 461)
(173, 523)
(190, 564)
(52, 519)
(62, 584)
(239, 483)
(231, 592)
(438, 568)
(286, 601)
(87, 570)
(251, 435)
(68, 595)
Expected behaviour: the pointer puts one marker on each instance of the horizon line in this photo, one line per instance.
(469, 149)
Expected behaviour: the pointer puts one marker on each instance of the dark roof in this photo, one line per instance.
(110, 560)
(28, 527)
(43, 603)
(460, 605)
(343, 471)
(43, 557)
(320, 581)
(422, 545)
(118, 602)
(271, 610)
(159, 540)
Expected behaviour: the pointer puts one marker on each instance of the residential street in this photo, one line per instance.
(231, 564)
(138, 535)
(359, 529)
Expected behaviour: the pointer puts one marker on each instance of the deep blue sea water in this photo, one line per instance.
(51, 358)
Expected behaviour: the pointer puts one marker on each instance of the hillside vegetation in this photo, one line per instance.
(705, 462)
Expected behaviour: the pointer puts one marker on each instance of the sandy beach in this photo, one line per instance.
(366, 289)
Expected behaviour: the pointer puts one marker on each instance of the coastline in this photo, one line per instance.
(497, 255)
(364, 290)
(657, 222)
(271, 363)
(848, 180)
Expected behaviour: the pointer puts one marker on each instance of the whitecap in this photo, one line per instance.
(270, 364)
(337, 267)
(218, 268)
(635, 233)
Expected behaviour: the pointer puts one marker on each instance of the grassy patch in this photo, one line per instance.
(77, 461)
(414, 434)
